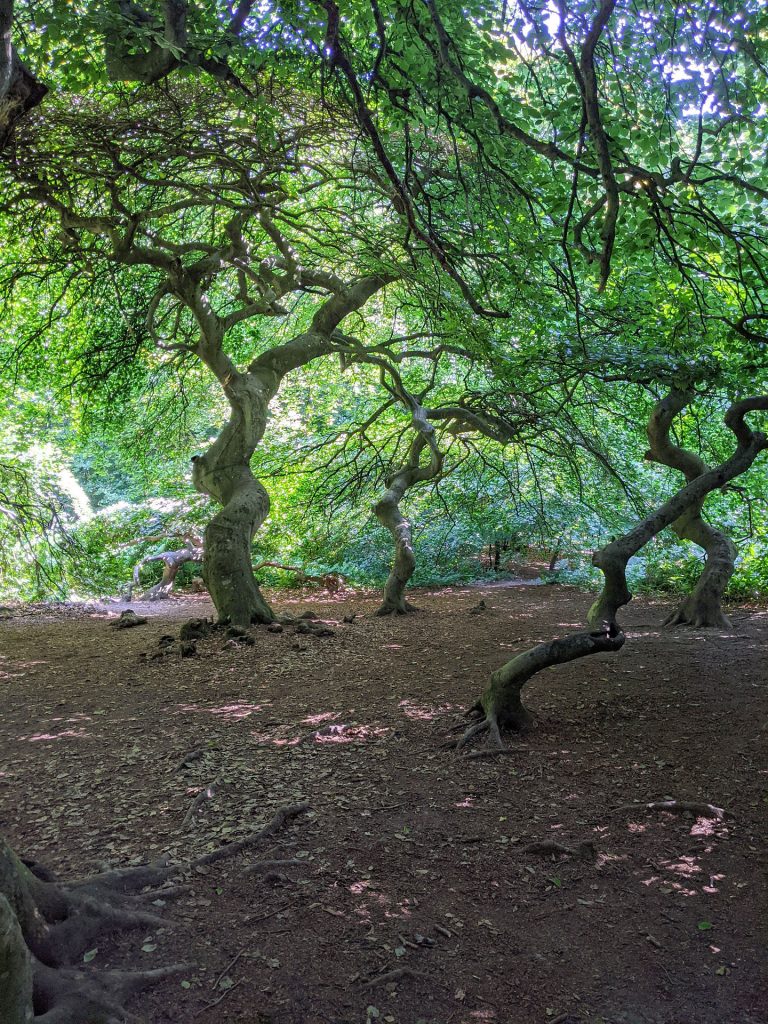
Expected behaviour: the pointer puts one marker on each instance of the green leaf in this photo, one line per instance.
(87, 957)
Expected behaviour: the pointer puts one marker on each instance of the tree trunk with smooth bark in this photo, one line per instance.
(224, 471)
(703, 607)
(387, 511)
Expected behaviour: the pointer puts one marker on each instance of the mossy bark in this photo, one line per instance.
(15, 969)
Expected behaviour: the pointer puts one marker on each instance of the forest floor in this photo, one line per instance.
(412, 858)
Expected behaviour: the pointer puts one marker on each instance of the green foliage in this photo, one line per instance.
(451, 146)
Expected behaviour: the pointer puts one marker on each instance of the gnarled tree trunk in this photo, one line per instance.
(501, 702)
(224, 472)
(703, 607)
(387, 511)
(20, 91)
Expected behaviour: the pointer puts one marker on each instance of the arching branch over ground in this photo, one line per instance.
(703, 607)
(192, 551)
(501, 704)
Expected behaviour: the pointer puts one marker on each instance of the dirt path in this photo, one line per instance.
(411, 857)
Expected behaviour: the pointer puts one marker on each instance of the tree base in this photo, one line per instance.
(698, 615)
(46, 926)
(492, 720)
(404, 608)
(500, 707)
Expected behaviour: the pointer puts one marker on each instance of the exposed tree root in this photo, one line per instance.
(488, 723)
(232, 849)
(46, 926)
(702, 810)
(699, 615)
(402, 608)
(128, 619)
(489, 752)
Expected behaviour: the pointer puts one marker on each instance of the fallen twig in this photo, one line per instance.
(209, 1006)
(493, 752)
(228, 968)
(703, 810)
(272, 913)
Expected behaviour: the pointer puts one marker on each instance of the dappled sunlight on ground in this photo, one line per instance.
(427, 712)
(328, 734)
(231, 711)
(411, 858)
(67, 734)
(350, 734)
(324, 716)
(17, 669)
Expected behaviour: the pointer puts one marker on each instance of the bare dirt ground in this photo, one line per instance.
(412, 858)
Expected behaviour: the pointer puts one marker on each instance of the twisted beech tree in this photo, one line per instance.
(387, 508)
(467, 414)
(501, 704)
(703, 607)
(215, 216)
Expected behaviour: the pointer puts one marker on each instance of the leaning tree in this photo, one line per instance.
(501, 705)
